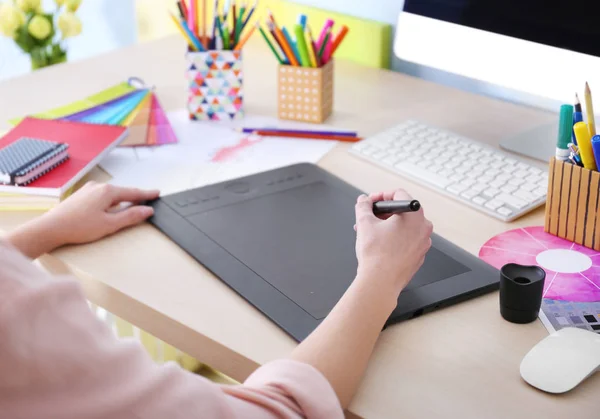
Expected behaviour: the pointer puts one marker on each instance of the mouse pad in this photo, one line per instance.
(284, 240)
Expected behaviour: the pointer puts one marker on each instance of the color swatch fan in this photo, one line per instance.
(572, 287)
(137, 109)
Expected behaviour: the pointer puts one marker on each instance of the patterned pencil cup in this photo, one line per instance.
(305, 94)
(215, 91)
(572, 204)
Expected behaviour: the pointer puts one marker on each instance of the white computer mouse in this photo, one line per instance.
(562, 361)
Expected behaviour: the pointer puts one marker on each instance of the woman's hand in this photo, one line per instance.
(390, 248)
(90, 214)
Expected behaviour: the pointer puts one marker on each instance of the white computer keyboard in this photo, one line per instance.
(477, 175)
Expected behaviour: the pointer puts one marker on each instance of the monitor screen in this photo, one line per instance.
(568, 25)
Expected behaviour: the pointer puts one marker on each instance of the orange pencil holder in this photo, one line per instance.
(572, 207)
(305, 94)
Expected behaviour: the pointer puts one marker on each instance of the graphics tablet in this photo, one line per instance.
(284, 240)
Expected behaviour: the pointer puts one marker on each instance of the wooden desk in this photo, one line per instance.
(462, 361)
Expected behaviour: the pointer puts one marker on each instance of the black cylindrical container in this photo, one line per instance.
(521, 289)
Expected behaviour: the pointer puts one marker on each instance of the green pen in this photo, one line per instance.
(240, 20)
(275, 53)
(322, 49)
(224, 33)
(565, 130)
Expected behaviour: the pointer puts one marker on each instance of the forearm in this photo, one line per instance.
(33, 239)
(341, 346)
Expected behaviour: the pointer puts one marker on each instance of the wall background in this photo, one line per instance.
(110, 24)
(387, 11)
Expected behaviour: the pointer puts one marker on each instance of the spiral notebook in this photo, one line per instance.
(27, 159)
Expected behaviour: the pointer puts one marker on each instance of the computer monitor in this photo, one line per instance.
(545, 48)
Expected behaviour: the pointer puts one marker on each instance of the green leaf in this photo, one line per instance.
(24, 40)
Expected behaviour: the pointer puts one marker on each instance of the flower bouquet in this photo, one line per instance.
(40, 33)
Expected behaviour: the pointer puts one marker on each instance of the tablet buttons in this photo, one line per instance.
(238, 187)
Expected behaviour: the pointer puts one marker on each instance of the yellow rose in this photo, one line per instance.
(72, 5)
(11, 19)
(39, 27)
(29, 5)
(69, 24)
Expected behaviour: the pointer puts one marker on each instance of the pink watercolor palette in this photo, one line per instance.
(572, 271)
(572, 287)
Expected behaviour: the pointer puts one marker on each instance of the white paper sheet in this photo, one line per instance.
(210, 152)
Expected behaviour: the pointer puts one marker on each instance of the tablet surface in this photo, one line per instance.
(284, 240)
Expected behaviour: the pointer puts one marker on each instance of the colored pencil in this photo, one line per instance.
(250, 12)
(307, 136)
(245, 38)
(239, 26)
(284, 45)
(326, 29)
(297, 131)
(339, 38)
(589, 110)
(323, 46)
(234, 23)
(271, 17)
(264, 35)
(193, 17)
(224, 33)
(301, 46)
(243, 7)
(328, 47)
(291, 43)
(192, 36)
(313, 46)
(271, 29)
(203, 36)
(311, 49)
(185, 32)
(226, 8)
(181, 11)
(215, 28)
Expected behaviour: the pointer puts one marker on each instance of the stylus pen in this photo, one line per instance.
(396, 207)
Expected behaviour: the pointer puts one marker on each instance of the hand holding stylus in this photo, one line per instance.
(396, 207)
(391, 248)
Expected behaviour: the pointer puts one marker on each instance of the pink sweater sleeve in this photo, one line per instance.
(57, 360)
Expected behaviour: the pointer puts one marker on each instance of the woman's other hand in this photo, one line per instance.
(88, 215)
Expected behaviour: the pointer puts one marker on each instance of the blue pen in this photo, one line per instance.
(193, 37)
(577, 117)
(596, 148)
(302, 21)
(250, 13)
(291, 42)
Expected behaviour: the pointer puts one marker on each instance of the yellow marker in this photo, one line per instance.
(310, 48)
(589, 110)
(582, 133)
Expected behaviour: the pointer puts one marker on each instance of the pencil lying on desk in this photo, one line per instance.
(249, 130)
(309, 136)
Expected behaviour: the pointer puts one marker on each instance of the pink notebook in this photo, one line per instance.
(88, 144)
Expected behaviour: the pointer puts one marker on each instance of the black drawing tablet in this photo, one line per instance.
(284, 240)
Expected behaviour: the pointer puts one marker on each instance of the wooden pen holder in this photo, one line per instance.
(572, 210)
(215, 90)
(305, 94)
